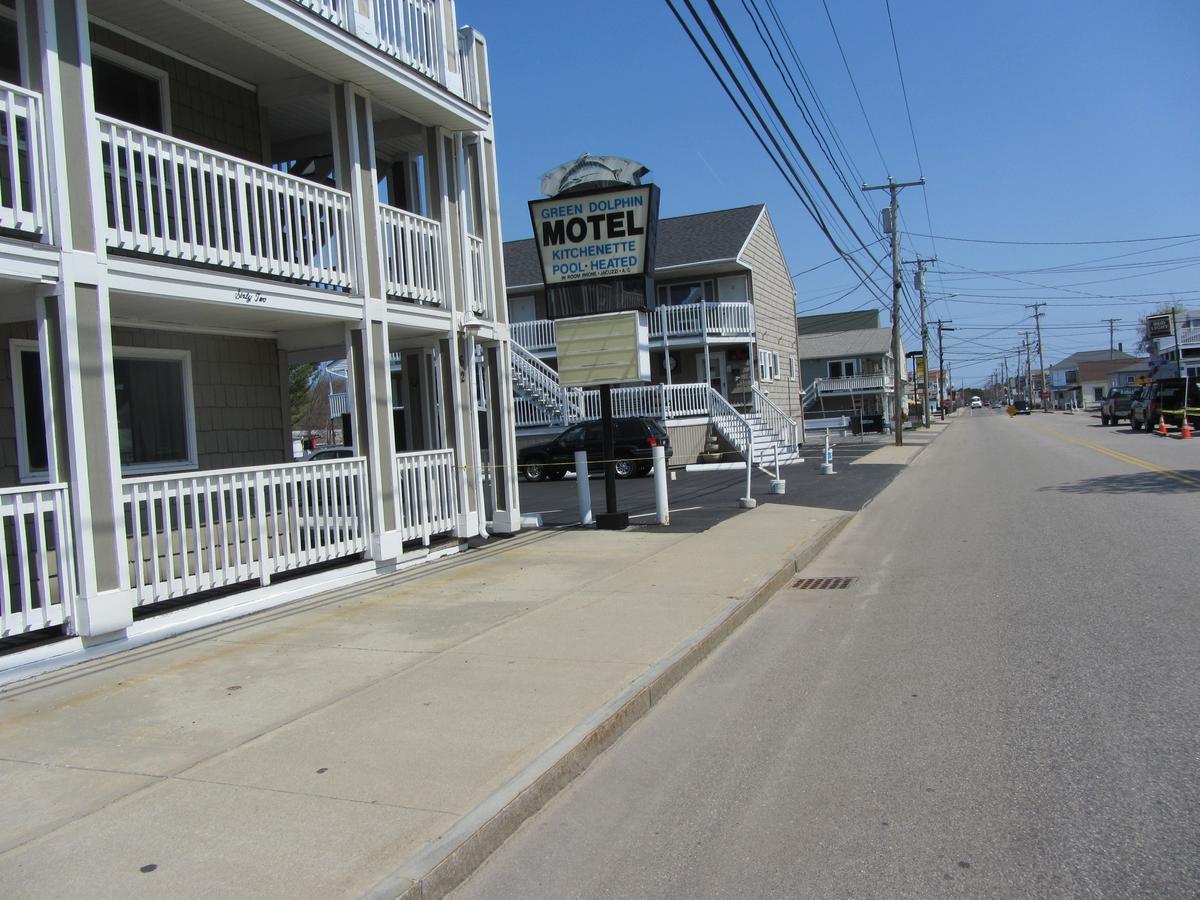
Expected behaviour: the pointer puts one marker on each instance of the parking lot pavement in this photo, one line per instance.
(700, 499)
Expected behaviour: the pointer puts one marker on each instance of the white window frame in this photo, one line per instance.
(189, 410)
(141, 68)
(765, 370)
(792, 367)
(25, 474)
(843, 362)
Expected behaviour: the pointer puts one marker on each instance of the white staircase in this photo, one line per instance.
(767, 443)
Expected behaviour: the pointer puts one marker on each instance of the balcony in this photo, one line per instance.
(169, 198)
(686, 323)
(412, 247)
(409, 30)
(855, 384)
(23, 205)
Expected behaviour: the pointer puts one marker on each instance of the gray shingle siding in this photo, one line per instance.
(774, 302)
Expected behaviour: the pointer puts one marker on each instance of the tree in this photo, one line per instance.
(300, 395)
(1164, 309)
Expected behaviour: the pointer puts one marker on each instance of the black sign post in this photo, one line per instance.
(612, 519)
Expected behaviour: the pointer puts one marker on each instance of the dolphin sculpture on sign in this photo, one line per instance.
(592, 172)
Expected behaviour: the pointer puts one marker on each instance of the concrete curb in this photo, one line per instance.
(449, 860)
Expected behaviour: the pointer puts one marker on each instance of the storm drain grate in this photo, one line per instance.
(824, 584)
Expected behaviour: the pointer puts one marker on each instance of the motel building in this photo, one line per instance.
(194, 198)
(721, 323)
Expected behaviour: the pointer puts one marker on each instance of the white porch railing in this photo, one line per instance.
(779, 423)
(543, 400)
(428, 493)
(537, 335)
(659, 401)
(192, 533)
(412, 247)
(699, 319)
(477, 287)
(732, 426)
(22, 161)
(326, 9)
(411, 31)
(854, 384)
(469, 68)
(171, 198)
(37, 575)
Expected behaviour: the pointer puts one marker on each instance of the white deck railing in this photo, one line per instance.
(854, 384)
(658, 401)
(171, 198)
(22, 161)
(197, 532)
(326, 9)
(691, 320)
(428, 493)
(779, 423)
(412, 247)
(411, 31)
(537, 335)
(477, 287)
(469, 68)
(37, 581)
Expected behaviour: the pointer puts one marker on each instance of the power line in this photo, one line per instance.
(1147, 240)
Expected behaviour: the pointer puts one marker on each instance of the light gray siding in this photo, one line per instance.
(774, 301)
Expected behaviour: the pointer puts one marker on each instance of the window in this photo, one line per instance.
(767, 361)
(775, 369)
(29, 410)
(791, 367)
(155, 418)
(128, 90)
(685, 292)
(843, 368)
(1098, 393)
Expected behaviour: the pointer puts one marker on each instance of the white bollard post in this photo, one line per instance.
(778, 485)
(661, 508)
(582, 490)
(827, 466)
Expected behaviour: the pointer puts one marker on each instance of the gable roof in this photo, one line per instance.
(682, 240)
(861, 342)
(1073, 361)
(1099, 370)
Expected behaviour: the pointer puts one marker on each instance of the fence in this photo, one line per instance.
(171, 198)
(412, 247)
(192, 533)
(22, 161)
(37, 582)
(428, 493)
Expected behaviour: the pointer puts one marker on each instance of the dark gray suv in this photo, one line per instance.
(634, 440)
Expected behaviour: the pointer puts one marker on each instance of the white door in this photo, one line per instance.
(716, 371)
(522, 309)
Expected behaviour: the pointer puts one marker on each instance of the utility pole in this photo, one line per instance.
(892, 226)
(941, 326)
(1028, 371)
(1112, 324)
(1037, 318)
(920, 282)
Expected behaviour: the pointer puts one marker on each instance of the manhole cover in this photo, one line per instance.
(824, 584)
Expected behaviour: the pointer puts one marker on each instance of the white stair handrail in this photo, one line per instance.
(733, 426)
(775, 419)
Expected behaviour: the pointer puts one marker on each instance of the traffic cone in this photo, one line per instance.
(1185, 430)
(1162, 426)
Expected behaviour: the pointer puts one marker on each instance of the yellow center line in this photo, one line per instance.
(1123, 457)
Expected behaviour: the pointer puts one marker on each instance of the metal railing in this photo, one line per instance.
(23, 203)
(198, 532)
(171, 198)
(782, 426)
(412, 247)
(37, 568)
(428, 493)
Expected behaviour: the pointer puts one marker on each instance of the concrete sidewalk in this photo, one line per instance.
(380, 740)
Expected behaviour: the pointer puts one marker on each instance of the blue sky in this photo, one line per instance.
(1071, 120)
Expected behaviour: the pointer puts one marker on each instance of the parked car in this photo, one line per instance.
(326, 453)
(1022, 407)
(1115, 406)
(634, 440)
(1165, 399)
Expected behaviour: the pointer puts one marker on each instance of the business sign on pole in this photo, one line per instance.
(1158, 326)
(606, 349)
(920, 367)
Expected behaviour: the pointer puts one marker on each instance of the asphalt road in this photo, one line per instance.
(700, 499)
(1005, 703)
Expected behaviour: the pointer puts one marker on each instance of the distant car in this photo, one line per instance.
(634, 440)
(327, 453)
(976, 403)
(1022, 407)
(1116, 405)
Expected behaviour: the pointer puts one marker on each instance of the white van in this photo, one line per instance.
(976, 403)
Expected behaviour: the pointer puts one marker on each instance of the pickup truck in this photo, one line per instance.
(1165, 399)
(1115, 406)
